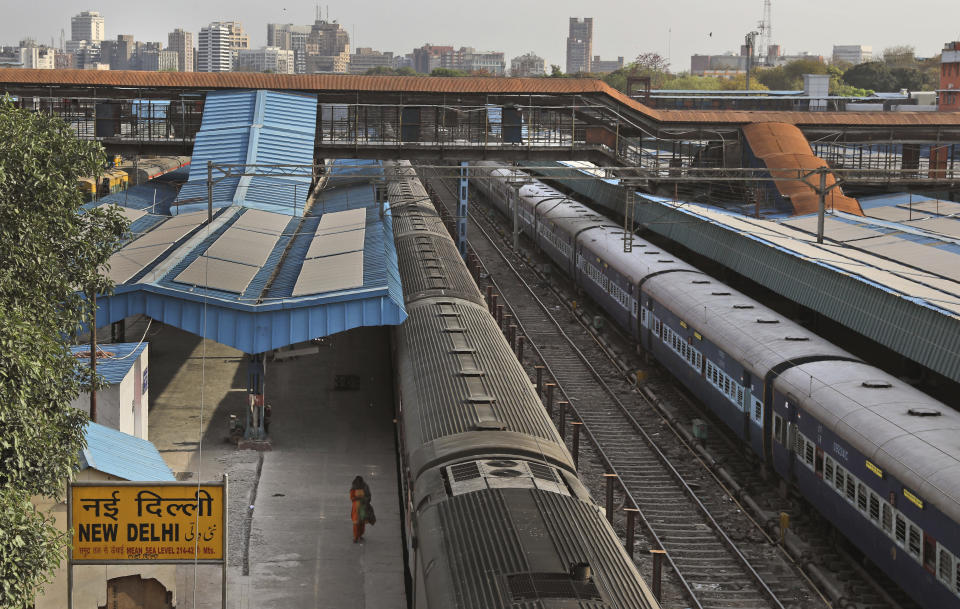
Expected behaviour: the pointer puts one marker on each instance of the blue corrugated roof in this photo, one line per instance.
(124, 456)
(112, 367)
(253, 127)
(267, 316)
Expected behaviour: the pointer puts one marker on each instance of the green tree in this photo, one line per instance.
(555, 71)
(907, 78)
(49, 247)
(873, 75)
(385, 71)
(447, 72)
(901, 56)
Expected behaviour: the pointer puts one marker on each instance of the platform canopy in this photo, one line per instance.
(258, 280)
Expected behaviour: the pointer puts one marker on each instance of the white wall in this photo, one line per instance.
(119, 406)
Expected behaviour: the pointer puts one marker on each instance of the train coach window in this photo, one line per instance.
(945, 569)
(828, 470)
(808, 452)
(900, 533)
(861, 497)
(886, 517)
(838, 482)
(851, 488)
(915, 541)
(874, 508)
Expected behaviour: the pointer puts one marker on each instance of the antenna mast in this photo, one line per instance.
(765, 28)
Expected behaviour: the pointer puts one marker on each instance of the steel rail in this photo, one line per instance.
(636, 425)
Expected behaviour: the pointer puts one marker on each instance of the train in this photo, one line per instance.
(116, 179)
(877, 457)
(495, 515)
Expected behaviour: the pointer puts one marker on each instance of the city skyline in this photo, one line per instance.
(683, 28)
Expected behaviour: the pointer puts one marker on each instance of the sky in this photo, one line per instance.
(674, 28)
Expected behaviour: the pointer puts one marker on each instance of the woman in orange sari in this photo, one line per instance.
(360, 498)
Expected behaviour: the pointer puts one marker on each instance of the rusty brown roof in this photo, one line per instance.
(465, 85)
(785, 151)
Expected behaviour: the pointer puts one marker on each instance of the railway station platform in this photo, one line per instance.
(290, 532)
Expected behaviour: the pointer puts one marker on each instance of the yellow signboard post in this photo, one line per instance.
(147, 522)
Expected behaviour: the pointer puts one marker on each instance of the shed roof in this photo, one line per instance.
(478, 85)
(253, 127)
(114, 360)
(241, 279)
(122, 455)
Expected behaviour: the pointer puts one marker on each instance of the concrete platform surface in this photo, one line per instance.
(293, 548)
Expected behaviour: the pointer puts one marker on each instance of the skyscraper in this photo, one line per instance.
(182, 42)
(219, 44)
(88, 26)
(580, 45)
(291, 37)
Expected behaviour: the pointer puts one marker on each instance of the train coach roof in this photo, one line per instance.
(499, 544)
(754, 335)
(461, 377)
(644, 260)
(872, 411)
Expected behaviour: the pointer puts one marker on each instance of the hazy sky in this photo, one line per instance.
(678, 28)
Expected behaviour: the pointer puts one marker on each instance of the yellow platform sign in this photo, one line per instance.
(147, 522)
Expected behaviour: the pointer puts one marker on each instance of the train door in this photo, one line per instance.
(929, 553)
(747, 405)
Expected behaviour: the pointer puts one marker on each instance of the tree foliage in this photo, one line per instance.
(48, 250)
(871, 75)
(385, 71)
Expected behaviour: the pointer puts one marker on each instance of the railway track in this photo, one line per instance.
(721, 558)
(840, 571)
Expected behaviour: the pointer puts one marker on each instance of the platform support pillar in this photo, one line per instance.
(576, 425)
(462, 209)
(256, 423)
(563, 417)
(657, 572)
(611, 478)
(520, 340)
(539, 370)
(631, 529)
(550, 387)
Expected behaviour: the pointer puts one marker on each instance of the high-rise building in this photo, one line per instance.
(181, 42)
(37, 58)
(267, 59)
(118, 52)
(580, 45)
(605, 66)
(214, 53)
(367, 59)
(219, 44)
(852, 53)
(491, 62)
(328, 48)
(429, 57)
(291, 37)
(155, 60)
(527, 65)
(88, 26)
(948, 94)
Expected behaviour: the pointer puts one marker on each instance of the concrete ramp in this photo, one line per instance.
(784, 150)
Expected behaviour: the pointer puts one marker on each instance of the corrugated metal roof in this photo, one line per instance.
(785, 151)
(266, 315)
(124, 456)
(115, 361)
(912, 312)
(253, 127)
(478, 85)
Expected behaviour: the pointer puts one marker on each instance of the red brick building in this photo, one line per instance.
(949, 92)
